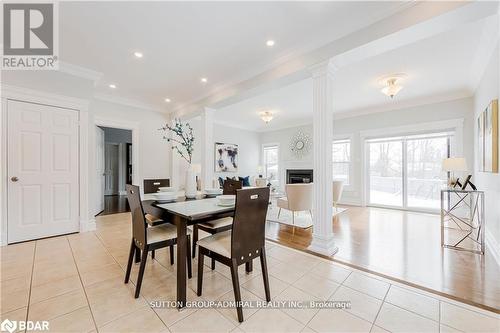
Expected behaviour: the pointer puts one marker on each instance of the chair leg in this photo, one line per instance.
(263, 264)
(130, 260)
(141, 272)
(279, 212)
(188, 252)
(153, 254)
(201, 259)
(311, 213)
(195, 239)
(213, 264)
(137, 255)
(236, 289)
(249, 266)
(171, 254)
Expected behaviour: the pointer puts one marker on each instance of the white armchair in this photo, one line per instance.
(298, 198)
(338, 188)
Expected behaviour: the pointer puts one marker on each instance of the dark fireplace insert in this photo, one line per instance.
(295, 176)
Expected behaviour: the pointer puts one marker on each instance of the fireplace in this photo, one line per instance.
(294, 176)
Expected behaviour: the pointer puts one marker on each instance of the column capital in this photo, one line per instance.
(329, 66)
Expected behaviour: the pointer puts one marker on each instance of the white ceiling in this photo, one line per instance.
(184, 41)
(441, 66)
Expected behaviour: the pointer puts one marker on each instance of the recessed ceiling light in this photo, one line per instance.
(270, 43)
(138, 54)
(167, 100)
(204, 80)
(112, 86)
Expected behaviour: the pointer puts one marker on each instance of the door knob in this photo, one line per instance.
(14, 179)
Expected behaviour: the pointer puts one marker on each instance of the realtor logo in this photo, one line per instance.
(8, 326)
(29, 36)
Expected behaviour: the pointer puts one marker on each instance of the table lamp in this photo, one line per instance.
(452, 165)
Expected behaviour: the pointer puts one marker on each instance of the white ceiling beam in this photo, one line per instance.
(422, 20)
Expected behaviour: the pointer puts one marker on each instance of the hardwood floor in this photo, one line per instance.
(405, 246)
(114, 204)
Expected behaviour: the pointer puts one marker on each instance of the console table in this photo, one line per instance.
(462, 220)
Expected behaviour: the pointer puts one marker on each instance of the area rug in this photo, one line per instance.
(302, 219)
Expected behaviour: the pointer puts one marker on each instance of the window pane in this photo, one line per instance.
(341, 158)
(386, 172)
(425, 176)
(271, 166)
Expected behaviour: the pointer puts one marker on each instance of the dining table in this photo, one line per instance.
(182, 213)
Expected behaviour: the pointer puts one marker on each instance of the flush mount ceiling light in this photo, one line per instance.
(204, 80)
(270, 43)
(112, 86)
(391, 84)
(168, 100)
(266, 116)
(138, 54)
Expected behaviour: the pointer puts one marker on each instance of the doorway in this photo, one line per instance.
(114, 168)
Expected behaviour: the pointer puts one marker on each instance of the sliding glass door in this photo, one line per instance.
(405, 172)
(386, 172)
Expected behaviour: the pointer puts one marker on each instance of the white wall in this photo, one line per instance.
(487, 90)
(248, 149)
(352, 128)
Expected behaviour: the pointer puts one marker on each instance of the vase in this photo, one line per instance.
(190, 182)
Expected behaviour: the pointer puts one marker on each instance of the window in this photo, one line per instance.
(406, 171)
(271, 167)
(341, 155)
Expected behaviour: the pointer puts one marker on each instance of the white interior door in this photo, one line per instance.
(43, 187)
(111, 167)
(100, 171)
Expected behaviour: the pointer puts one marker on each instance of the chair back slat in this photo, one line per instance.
(139, 223)
(231, 186)
(249, 224)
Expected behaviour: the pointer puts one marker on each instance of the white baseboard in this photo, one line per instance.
(493, 246)
(89, 225)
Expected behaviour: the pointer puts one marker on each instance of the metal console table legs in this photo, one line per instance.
(462, 220)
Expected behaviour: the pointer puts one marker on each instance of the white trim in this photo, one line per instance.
(40, 97)
(128, 102)
(128, 125)
(493, 246)
(80, 71)
(15, 93)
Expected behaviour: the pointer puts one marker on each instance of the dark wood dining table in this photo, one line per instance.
(182, 213)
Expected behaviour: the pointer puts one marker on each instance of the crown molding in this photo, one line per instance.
(415, 102)
(41, 97)
(128, 102)
(82, 72)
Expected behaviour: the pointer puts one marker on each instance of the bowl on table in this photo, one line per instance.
(226, 200)
(163, 197)
(213, 192)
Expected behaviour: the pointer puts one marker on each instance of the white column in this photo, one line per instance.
(207, 147)
(322, 77)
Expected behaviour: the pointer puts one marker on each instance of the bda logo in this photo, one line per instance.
(8, 325)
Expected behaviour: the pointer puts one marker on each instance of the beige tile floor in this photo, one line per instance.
(76, 282)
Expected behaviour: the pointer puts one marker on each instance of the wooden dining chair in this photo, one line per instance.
(147, 239)
(240, 246)
(219, 225)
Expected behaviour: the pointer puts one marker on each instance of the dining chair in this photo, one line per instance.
(242, 244)
(298, 198)
(219, 225)
(147, 239)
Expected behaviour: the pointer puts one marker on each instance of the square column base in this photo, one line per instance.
(324, 246)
